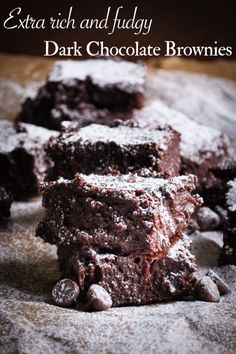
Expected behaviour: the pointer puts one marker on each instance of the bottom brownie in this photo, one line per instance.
(135, 279)
(5, 203)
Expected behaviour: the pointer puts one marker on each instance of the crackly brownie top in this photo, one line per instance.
(231, 195)
(102, 72)
(24, 135)
(197, 140)
(120, 135)
(132, 183)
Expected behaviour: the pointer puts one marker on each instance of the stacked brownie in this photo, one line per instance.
(23, 162)
(123, 233)
(119, 150)
(86, 91)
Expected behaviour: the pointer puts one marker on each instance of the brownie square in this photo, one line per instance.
(118, 215)
(136, 279)
(23, 160)
(119, 150)
(86, 91)
(201, 147)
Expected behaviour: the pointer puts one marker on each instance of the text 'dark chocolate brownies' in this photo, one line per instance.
(119, 150)
(113, 85)
(131, 224)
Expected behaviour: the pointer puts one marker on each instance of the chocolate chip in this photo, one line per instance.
(221, 285)
(192, 227)
(65, 293)
(98, 298)
(207, 219)
(206, 290)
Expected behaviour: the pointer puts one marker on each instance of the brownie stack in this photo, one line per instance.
(123, 233)
(115, 204)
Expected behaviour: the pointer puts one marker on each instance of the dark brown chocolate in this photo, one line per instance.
(136, 279)
(23, 159)
(105, 85)
(119, 150)
(119, 215)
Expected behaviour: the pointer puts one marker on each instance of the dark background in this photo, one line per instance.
(187, 22)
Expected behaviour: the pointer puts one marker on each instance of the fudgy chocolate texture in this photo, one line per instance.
(136, 279)
(228, 254)
(5, 203)
(106, 85)
(201, 147)
(23, 160)
(117, 214)
(119, 150)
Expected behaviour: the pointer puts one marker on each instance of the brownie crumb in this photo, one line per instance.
(207, 290)
(221, 285)
(98, 298)
(208, 219)
(65, 293)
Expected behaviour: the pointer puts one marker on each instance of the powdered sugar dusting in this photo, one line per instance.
(102, 72)
(121, 135)
(206, 100)
(197, 143)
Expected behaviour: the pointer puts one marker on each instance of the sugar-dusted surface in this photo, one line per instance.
(102, 72)
(30, 324)
(210, 101)
(120, 135)
(198, 142)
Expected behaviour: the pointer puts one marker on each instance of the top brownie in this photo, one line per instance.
(86, 91)
(119, 150)
(201, 147)
(117, 214)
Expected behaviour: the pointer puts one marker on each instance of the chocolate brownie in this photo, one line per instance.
(228, 254)
(5, 203)
(23, 160)
(136, 279)
(86, 91)
(120, 150)
(201, 147)
(117, 214)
